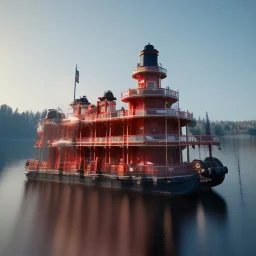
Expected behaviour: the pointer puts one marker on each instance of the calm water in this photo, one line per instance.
(44, 218)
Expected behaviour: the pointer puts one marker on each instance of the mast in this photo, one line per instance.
(208, 132)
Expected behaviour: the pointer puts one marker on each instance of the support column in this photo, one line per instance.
(123, 145)
(166, 135)
(109, 155)
(106, 146)
(127, 144)
(181, 158)
(188, 160)
(94, 156)
(90, 156)
(80, 153)
(180, 151)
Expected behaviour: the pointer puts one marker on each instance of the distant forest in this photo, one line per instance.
(224, 128)
(18, 125)
(23, 125)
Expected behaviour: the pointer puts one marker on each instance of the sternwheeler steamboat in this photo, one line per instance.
(138, 148)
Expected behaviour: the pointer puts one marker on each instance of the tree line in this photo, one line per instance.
(224, 128)
(16, 125)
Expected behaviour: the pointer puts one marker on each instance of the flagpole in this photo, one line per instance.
(75, 86)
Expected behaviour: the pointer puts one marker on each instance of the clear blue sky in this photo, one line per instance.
(208, 48)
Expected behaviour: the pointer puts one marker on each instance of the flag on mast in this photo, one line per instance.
(77, 76)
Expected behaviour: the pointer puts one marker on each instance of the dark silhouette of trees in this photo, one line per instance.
(227, 128)
(195, 131)
(252, 131)
(221, 128)
(18, 125)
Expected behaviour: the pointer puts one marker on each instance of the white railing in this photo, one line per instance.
(100, 140)
(161, 112)
(136, 138)
(150, 69)
(116, 139)
(149, 92)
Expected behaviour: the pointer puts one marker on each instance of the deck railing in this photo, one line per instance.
(149, 92)
(161, 112)
(148, 112)
(116, 139)
(32, 165)
(139, 112)
(85, 140)
(149, 170)
(151, 139)
(149, 69)
(100, 140)
(49, 121)
(138, 171)
(63, 141)
(146, 139)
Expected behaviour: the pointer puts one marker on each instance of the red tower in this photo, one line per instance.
(153, 115)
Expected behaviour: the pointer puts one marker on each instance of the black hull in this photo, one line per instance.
(175, 185)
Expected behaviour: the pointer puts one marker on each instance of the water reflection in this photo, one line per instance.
(2, 161)
(42, 218)
(11, 149)
(62, 219)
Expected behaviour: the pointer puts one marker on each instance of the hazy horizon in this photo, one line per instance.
(208, 49)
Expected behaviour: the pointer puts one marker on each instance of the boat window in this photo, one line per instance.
(111, 107)
(52, 114)
(82, 111)
(151, 84)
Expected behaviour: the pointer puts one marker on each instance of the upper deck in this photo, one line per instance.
(150, 92)
(125, 114)
(135, 140)
(149, 69)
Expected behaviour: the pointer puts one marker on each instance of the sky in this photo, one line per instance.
(207, 47)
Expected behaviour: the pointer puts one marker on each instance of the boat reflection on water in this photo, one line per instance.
(71, 219)
(2, 160)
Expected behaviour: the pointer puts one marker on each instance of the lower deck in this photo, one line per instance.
(114, 170)
(175, 185)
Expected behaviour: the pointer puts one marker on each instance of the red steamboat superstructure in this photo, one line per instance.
(139, 147)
